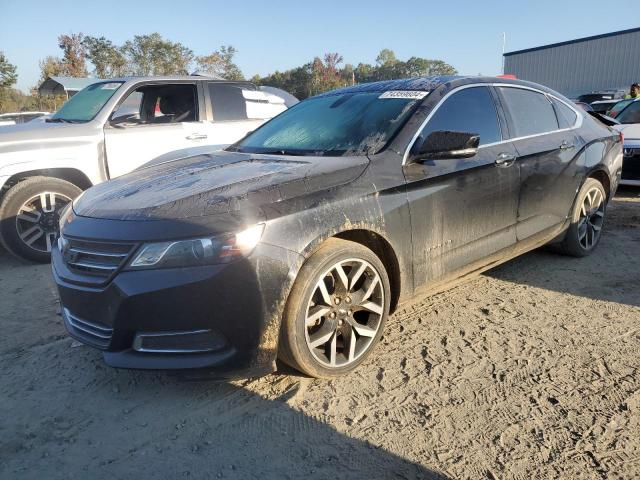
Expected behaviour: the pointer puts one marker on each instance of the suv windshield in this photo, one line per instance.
(86, 104)
(341, 124)
(631, 114)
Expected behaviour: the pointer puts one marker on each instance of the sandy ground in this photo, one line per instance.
(529, 371)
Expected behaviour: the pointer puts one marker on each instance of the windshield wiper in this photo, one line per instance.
(60, 120)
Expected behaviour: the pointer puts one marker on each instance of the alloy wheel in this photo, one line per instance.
(37, 220)
(344, 313)
(591, 218)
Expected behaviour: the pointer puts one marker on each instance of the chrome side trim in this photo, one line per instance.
(578, 124)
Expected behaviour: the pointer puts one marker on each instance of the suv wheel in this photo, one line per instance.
(587, 221)
(29, 214)
(336, 311)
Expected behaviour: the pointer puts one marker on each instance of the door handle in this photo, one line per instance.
(196, 136)
(566, 145)
(505, 160)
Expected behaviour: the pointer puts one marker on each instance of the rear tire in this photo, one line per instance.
(587, 220)
(29, 214)
(336, 311)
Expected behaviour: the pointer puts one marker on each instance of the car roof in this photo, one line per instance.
(428, 84)
(163, 78)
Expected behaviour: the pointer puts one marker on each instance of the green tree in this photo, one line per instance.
(73, 58)
(420, 67)
(107, 58)
(153, 55)
(50, 67)
(386, 57)
(220, 63)
(8, 78)
(326, 75)
(8, 75)
(365, 72)
(388, 65)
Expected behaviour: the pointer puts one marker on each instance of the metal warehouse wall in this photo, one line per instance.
(581, 66)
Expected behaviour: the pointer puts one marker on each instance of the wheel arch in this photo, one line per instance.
(600, 174)
(71, 175)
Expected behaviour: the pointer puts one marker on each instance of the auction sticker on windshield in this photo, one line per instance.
(413, 94)
(110, 86)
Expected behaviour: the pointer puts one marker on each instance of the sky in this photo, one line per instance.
(279, 35)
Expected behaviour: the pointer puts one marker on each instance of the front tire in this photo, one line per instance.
(587, 220)
(336, 311)
(29, 214)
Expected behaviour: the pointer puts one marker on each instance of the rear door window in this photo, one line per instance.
(228, 102)
(471, 110)
(566, 116)
(531, 112)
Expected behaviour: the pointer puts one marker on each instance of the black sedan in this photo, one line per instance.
(298, 241)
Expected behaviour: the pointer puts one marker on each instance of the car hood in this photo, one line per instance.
(34, 135)
(214, 183)
(630, 130)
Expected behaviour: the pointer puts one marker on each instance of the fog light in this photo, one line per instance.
(195, 341)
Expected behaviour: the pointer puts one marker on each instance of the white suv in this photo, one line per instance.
(106, 130)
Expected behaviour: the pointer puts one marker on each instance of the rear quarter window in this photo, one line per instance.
(566, 116)
(531, 112)
(227, 102)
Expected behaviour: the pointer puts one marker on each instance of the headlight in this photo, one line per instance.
(66, 215)
(198, 251)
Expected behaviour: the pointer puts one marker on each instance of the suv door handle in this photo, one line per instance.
(566, 145)
(196, 136)
(505, 160)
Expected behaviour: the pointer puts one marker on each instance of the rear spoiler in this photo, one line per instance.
(608, 121)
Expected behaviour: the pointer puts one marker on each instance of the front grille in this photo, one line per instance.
(98, 260)
(88, 332)
(631, 152)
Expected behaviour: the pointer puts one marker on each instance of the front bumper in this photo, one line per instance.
(224, 318)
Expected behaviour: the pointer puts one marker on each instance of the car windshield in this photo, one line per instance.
(631, 114)
(341, 124)
(618, 107)
(86, 104)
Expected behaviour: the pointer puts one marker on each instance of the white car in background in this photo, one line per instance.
(629, 125)
(106, 130)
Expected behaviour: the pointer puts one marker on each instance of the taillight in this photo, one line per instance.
(622, 138)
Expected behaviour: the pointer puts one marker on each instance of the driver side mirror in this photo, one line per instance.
(444, 144)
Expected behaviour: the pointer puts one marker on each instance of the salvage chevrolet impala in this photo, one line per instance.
(299, 240)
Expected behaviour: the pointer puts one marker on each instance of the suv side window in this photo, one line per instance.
(531, 112)
(159, 104)
(471, 110)
(227, 101)
(566, 116)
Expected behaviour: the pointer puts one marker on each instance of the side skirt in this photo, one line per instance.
(474, 269)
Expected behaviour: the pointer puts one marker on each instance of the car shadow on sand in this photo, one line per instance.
(611, 273)
(100, 422)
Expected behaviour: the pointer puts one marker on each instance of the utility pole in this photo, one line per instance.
(504, 45)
